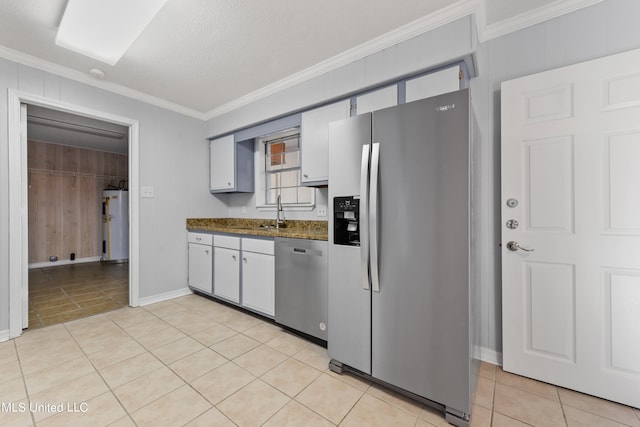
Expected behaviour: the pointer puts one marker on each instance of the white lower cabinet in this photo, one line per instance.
(218, 266)
(258, 273)
(226, 268)
(200, 262)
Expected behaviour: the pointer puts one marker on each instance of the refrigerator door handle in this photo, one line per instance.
(373, 216)
(364, 220)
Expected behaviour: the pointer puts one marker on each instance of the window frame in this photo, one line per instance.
(261, 175)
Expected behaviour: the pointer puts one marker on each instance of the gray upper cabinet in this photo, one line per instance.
(437, 83)
(377, 100)
(314, 131)
(231, 165)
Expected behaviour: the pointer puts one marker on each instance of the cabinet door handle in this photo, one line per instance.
(234, 257)
(229, 184)
(305, 175)
(206, 251)
(244, 259)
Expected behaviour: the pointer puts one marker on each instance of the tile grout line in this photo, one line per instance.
(24, 383)
(97, 371)
(188, 383)
(564, 414)
(215, 405)
(493, 396)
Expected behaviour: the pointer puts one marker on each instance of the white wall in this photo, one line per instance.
(438, 47)
(244, 206)
(173, 159)
(174, 154)
(605, 28)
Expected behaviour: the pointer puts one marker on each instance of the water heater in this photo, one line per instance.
(115, 225)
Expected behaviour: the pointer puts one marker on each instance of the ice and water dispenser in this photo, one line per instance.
(346, 216)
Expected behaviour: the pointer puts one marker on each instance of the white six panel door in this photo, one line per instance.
(571, 179)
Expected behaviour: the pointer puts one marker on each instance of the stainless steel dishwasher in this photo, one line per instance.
(301, 285)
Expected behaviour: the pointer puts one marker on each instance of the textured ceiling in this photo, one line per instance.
(202, 54)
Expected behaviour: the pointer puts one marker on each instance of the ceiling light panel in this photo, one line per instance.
(104, 30)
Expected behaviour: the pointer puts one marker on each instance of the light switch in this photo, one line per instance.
(146, 192)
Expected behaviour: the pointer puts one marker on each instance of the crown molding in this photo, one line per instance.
(71, 74)
(422, 25)
(532, 17)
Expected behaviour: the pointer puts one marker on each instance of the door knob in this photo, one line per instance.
(514, 246)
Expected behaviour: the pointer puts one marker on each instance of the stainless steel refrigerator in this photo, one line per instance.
(402, 258)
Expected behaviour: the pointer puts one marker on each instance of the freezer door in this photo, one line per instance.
(349, 306)
(420, 316)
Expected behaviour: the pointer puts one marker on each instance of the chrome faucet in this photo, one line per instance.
(280, 221)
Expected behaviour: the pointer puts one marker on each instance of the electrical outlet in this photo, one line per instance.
(146, 192)
(321, 211)
(244, 210)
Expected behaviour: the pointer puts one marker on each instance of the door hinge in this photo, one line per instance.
(460, 75)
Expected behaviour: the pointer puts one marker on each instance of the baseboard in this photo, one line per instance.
(64, 262)
(487, 355)
(165, 296)
(4, 335)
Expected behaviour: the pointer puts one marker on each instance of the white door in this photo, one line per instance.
(314, 129)
(200, 267)
(258, 290)
(222, 163)
(377, 100)
(226, 274)
(443, 81)
(25, 219)
(571, 179)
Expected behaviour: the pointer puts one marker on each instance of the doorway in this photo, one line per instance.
(71, 161)
(18, 196)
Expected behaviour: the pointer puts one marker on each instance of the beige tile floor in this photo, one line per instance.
(191, 361)
(68, 292)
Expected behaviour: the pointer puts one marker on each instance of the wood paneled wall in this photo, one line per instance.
(65, 198)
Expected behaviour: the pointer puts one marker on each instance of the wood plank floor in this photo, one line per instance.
(68, 292)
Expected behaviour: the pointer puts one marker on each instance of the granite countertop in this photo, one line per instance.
(297, 229)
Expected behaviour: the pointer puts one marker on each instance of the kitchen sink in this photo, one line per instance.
(252, 227)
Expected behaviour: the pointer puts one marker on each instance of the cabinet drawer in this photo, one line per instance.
(201, 238)
(229, 242)
(258, 245)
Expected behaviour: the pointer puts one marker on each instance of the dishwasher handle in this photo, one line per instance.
(303, 251)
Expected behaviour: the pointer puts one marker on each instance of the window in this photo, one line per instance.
(282, 171)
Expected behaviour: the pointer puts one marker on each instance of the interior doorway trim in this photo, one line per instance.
(18, 209)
